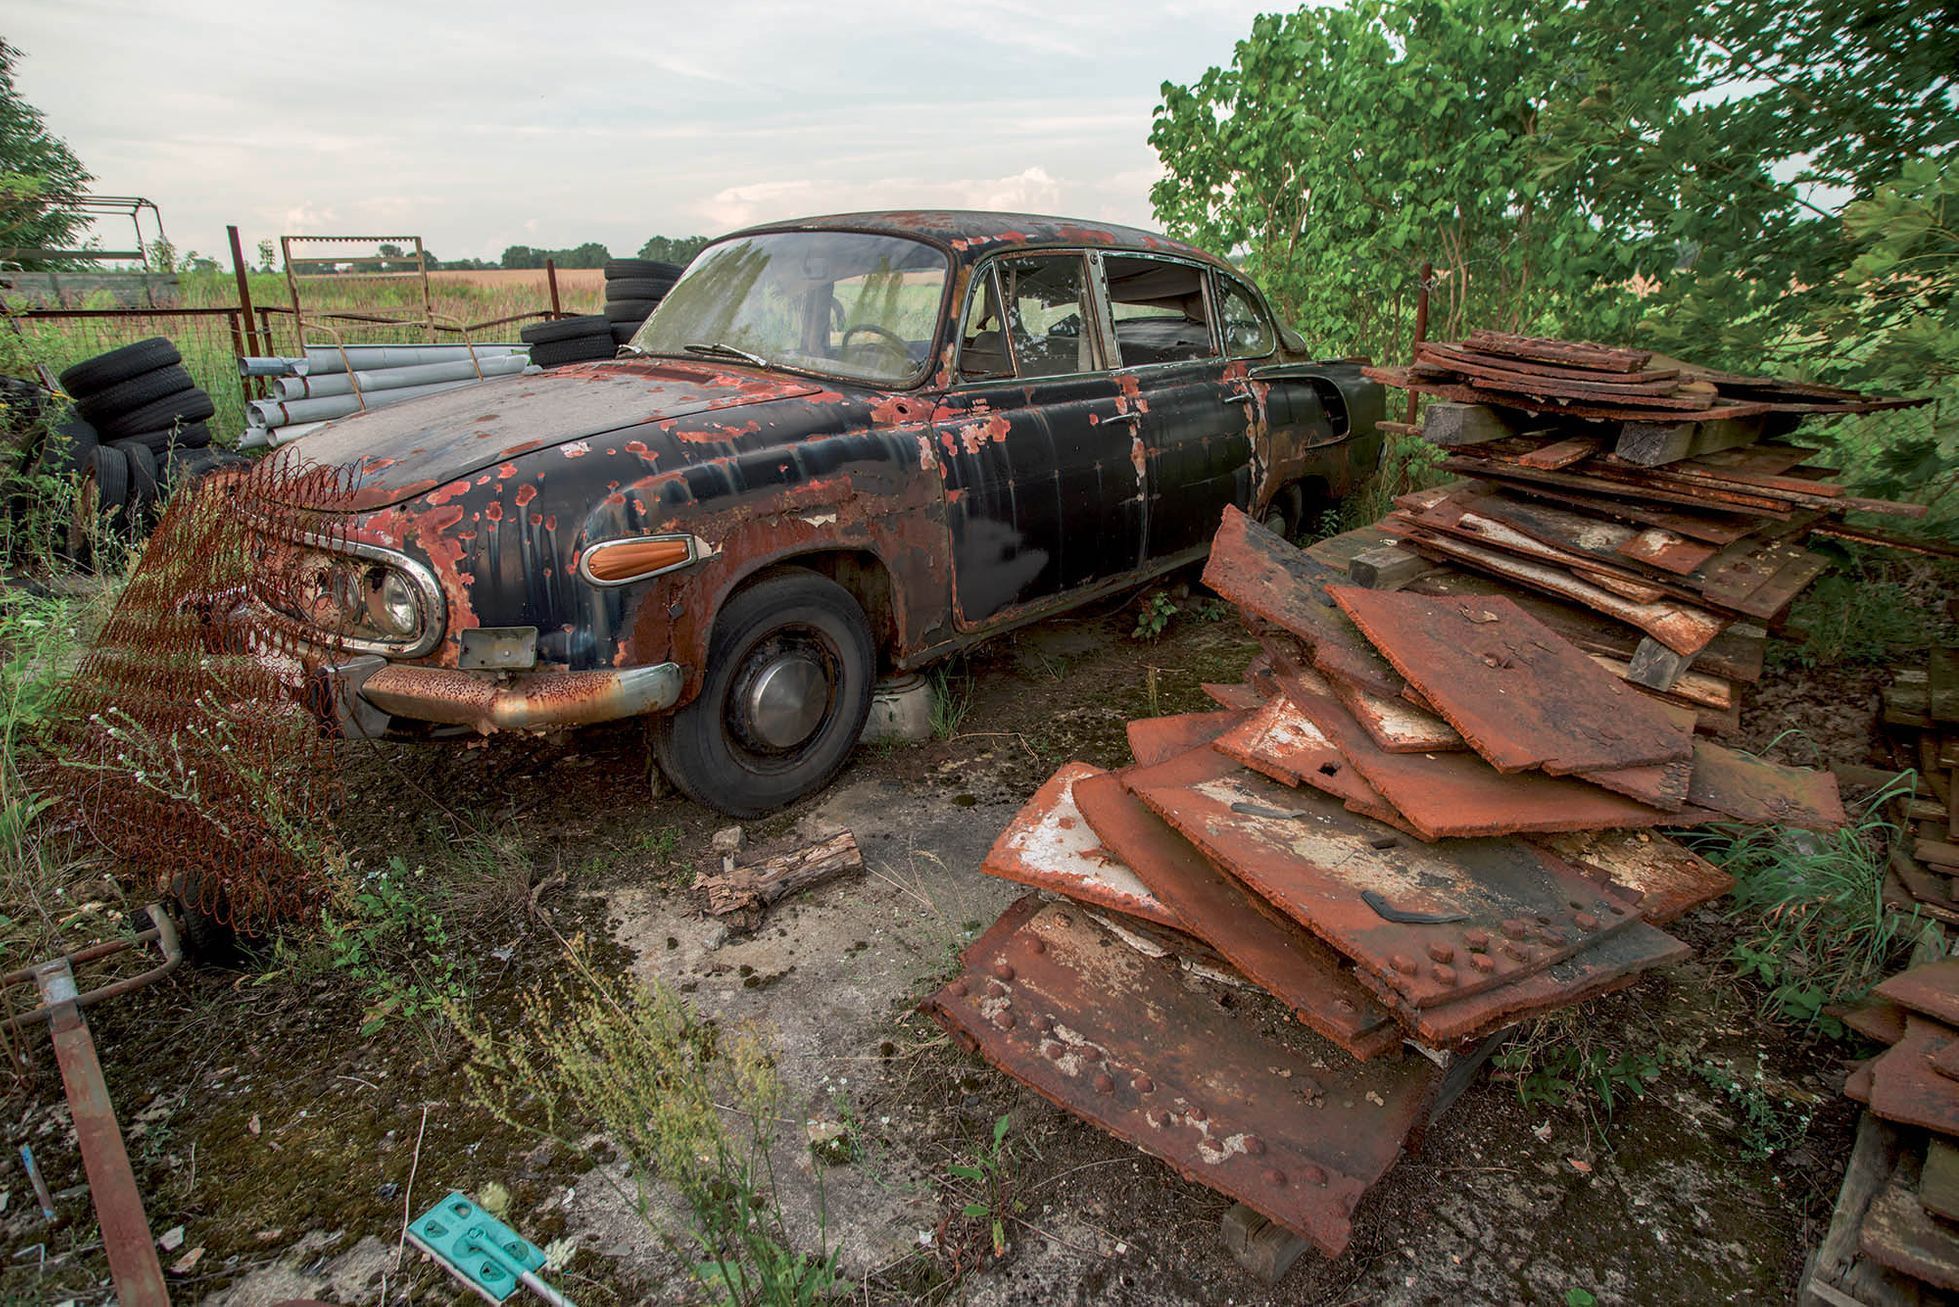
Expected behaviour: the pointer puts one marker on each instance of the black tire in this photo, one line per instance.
(207, 940)
(584, 349)
(135, 392)
(623, 332)
(638, 288)
(547, 333)
(633, 311)
(182, 409)
(104, 494)
(66, 450)
(711, 750)
(192, 435)
(91, 375)
(144, 490)
(653, 269)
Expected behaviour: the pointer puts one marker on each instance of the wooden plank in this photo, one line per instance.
(1873, 1159)
(1449, 425)
(1387, 568)
(1942, 685)
(1650, 444)
(1582, 354)
(1938, 1183)
(1655, 666)
(1563, 453)
(1899, 1233)
(1937, 852)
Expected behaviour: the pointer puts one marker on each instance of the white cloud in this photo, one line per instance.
(498, 122)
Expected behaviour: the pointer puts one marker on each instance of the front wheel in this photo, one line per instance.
(790, 672)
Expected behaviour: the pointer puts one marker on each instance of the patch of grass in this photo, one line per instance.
(635, 1062)
(1852, 616)
(1408, 463)
(393, 941)
(952, 699)
(1815, 927)
(1565, 1059)
(1767, 1125)
(983, 1191)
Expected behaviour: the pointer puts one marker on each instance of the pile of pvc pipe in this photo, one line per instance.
(317, 387)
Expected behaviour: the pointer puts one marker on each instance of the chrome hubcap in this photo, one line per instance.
(785, 702)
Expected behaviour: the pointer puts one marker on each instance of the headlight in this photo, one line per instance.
(391, 603)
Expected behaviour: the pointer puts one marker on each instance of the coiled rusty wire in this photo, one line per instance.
(188, 744)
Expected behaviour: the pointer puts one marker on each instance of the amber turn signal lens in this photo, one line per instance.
(623, 560)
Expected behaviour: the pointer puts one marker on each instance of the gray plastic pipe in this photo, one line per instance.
(342, 383)
(284, 413)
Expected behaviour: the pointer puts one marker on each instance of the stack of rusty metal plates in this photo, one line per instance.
(1895, 1237)
(1921, 719)
(1421, 819)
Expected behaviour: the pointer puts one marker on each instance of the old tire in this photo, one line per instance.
(144, 492)
(623, 332)
(562, 329)
(191, 435)
(651, 269)
(91, 375)
(583, 349)
(181, 409)
(67, 448)
(135, 392)
(638, 288)
(633, 311)
(790, 671)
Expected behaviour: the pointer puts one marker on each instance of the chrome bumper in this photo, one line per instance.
(367, 692)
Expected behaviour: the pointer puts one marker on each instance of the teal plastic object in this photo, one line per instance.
(477, 1249)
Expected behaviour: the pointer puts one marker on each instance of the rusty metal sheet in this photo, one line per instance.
(1761, 579)
(1281, 742)
(1241, 696)
(1498, 909)
(1663, 786)
(1584, 486)
(1397, 725)
(1857, 1085)
(1459, 794)
(1264, 944)
(1153, 739)
(1049, 846)
(1523, 696)
(1236, 1098)
(1666, 551)
(1762, 793)
(1577, 354)
(1877, 1019)
(1610, 964)
(1627, 411)
(1904, 1085)
(1712, 525)
(1669, 878)
(1932, 989)
(1683, 628)
(1562, 453)
(1277, 583)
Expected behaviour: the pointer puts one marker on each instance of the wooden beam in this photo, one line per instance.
(1449, 424)
(1650, 444)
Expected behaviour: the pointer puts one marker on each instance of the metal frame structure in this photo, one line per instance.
(95, 208)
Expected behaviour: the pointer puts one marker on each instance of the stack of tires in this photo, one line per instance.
(582, 339)
(633, 287)
(140, 429)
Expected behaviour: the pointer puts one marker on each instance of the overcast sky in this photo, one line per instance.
(483, 125)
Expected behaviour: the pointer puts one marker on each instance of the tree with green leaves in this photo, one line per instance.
(40, 177)
(672, 249)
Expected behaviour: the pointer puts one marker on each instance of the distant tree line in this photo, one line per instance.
(592, 254)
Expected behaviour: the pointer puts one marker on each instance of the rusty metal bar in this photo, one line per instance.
(252, 344)
(164, 933)
(551, 279)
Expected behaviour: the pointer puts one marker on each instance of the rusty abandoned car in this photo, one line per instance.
(841, 447)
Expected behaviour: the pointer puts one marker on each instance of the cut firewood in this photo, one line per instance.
(743, 893)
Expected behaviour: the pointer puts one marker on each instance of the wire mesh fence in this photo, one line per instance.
(210, 339)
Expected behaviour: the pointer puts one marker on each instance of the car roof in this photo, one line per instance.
(970, 234)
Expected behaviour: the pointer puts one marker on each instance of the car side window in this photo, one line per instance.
(1049, 314)
(1159, 308)
(983, 350)
(1247, 332)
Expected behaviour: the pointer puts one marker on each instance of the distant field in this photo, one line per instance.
(579, 281)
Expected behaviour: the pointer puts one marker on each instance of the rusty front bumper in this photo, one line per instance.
(367, 693)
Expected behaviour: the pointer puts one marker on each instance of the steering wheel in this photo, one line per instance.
(891, 337)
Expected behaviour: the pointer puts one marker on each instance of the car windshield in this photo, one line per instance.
(844, 304)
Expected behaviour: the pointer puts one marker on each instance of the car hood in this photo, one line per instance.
(391, 454)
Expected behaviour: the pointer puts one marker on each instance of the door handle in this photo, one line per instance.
(1239, 397)
(1123, 417)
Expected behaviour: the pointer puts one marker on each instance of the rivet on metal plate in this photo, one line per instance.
(1441, 953)
(1104, 1084)
(1003, 970)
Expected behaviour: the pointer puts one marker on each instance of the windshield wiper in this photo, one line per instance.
(715, 349)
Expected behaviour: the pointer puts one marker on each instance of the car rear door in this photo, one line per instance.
(1196, 422)
(1042, 455)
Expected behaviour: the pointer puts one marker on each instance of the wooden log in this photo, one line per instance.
(745, 892)
(1937, 852)
(1387, 568)
(1264, 1248)
(1450, 424)
(1650, 444)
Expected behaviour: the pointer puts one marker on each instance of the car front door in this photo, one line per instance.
(1042, 454)
(1197, 421)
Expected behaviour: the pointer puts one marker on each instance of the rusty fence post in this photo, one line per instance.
(1421, 326)
(551, 279)
(244, 290)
